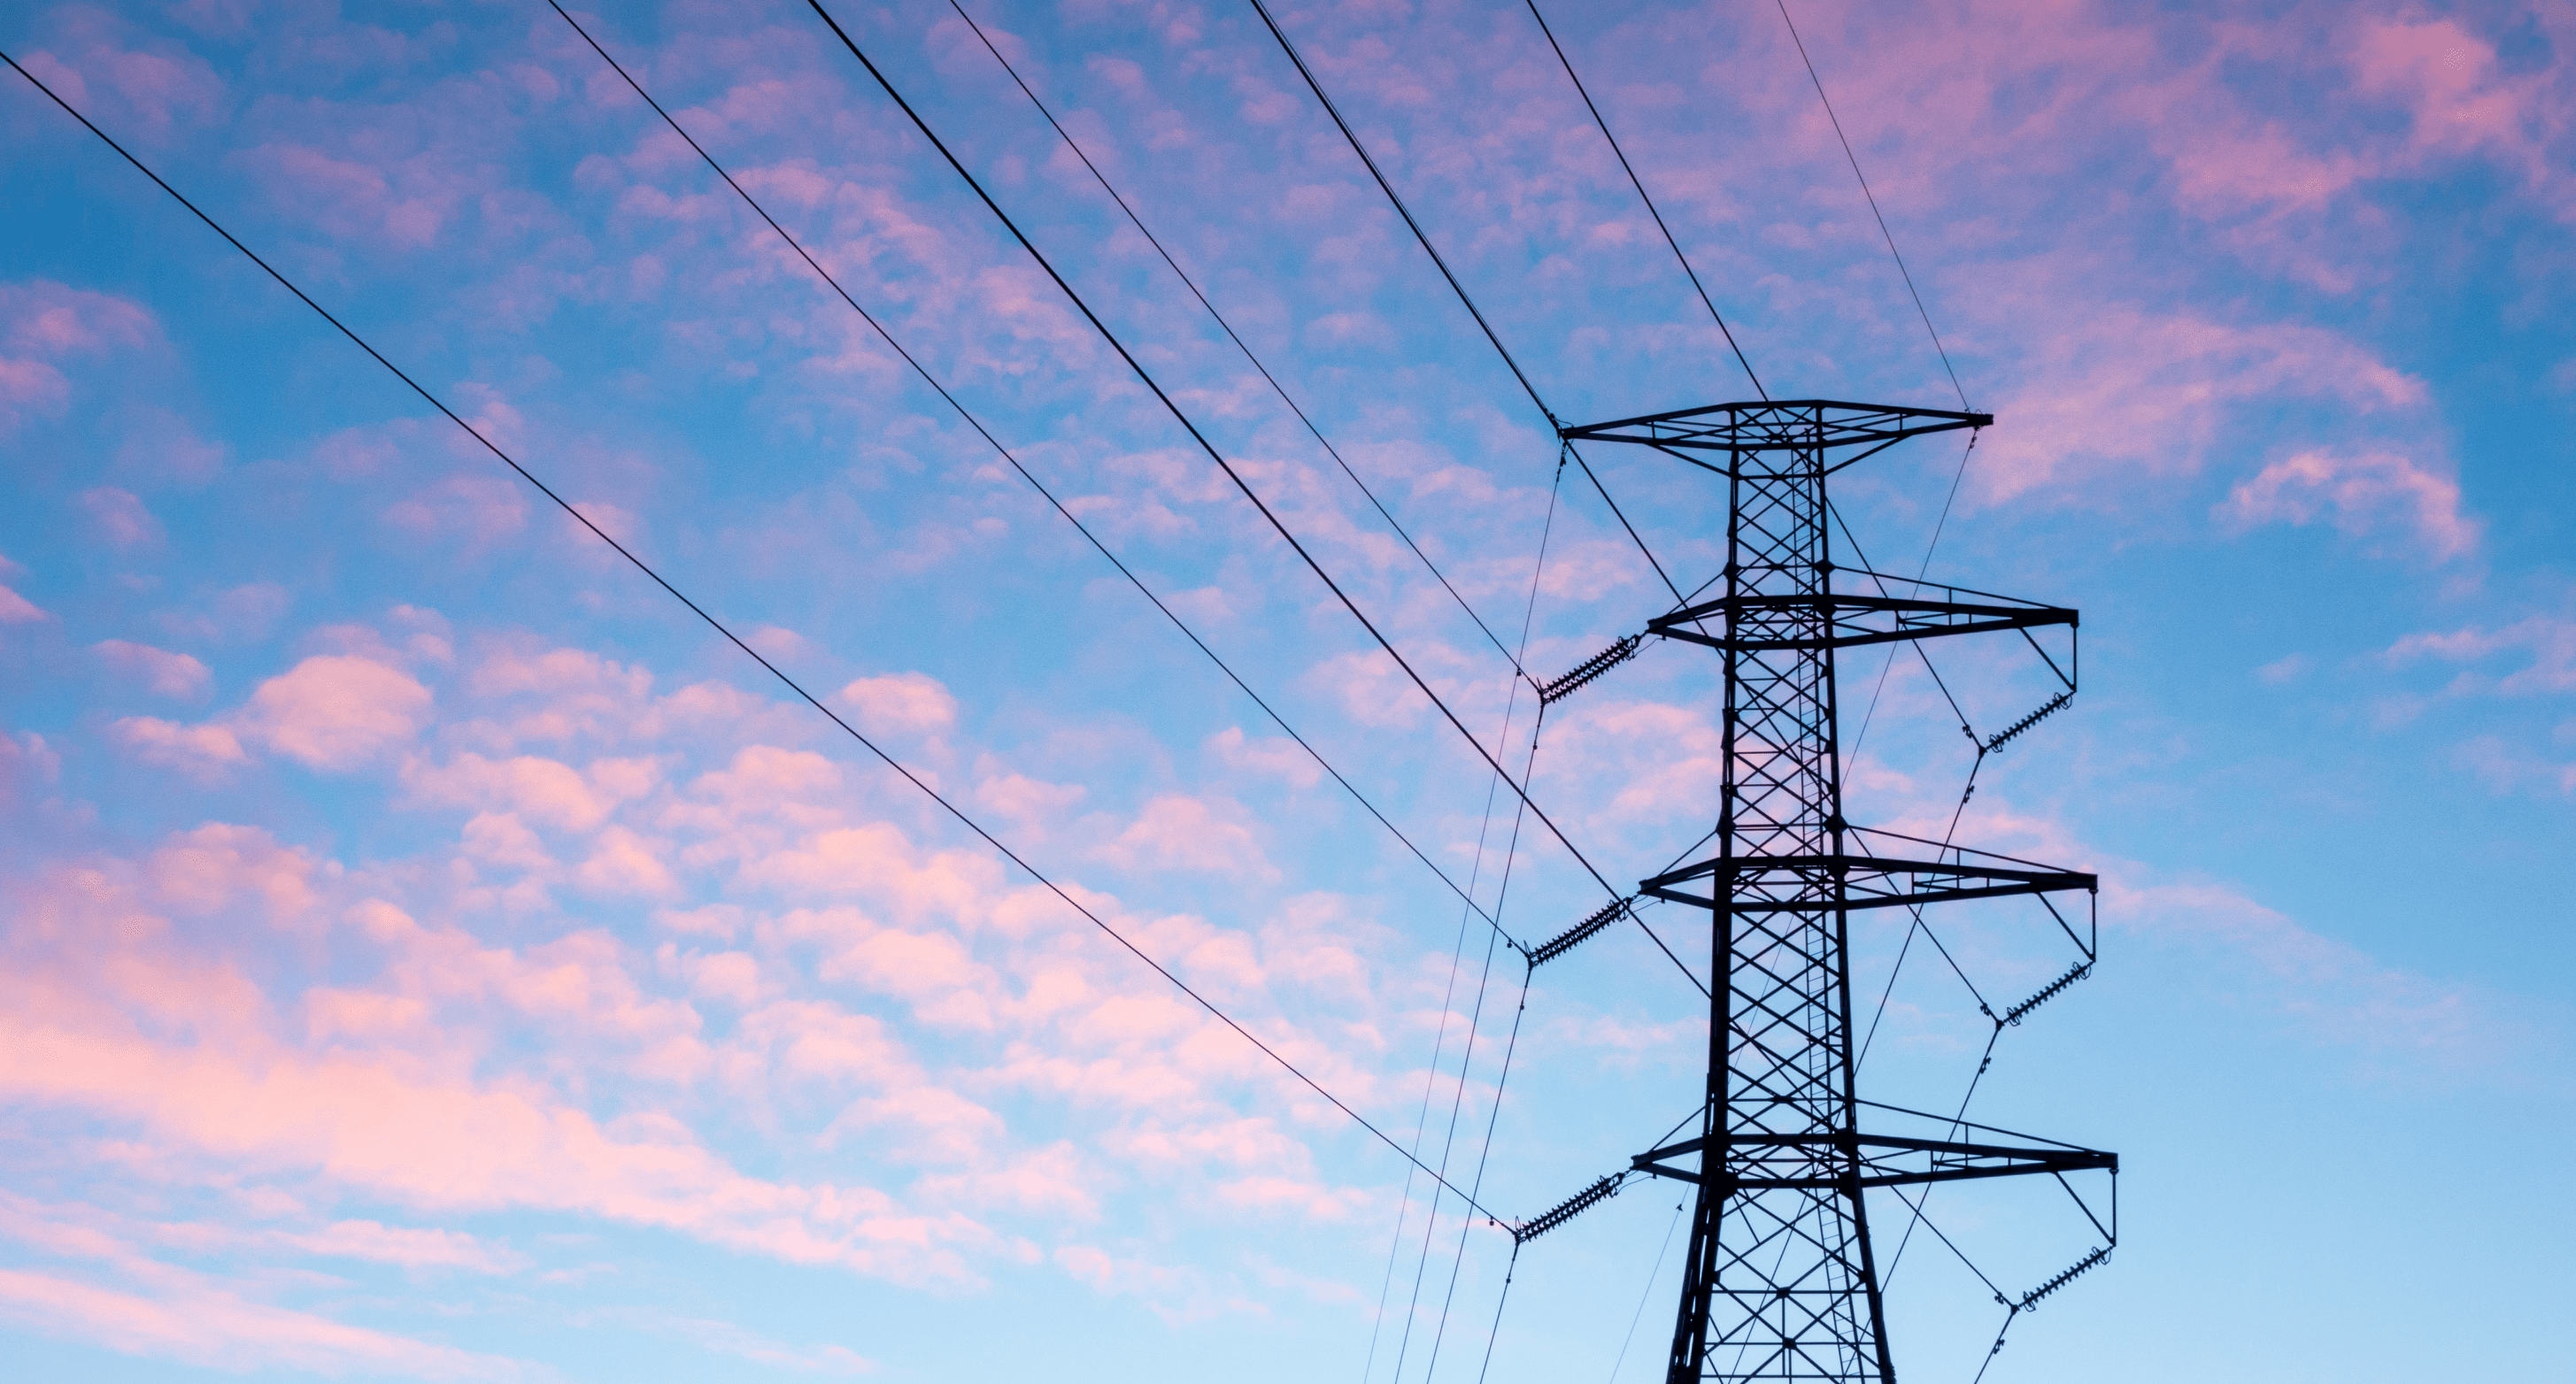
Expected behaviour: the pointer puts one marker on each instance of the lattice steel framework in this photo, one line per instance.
(1780, 1281)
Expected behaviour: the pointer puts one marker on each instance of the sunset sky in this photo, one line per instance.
(431, 952)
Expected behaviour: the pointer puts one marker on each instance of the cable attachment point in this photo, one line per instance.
(1572, 1207)
(2053, 706)
(1576, 935)
(2099, 1254)
(1589, 669)
(2075, 973)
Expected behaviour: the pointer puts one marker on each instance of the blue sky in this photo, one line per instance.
(431, 953)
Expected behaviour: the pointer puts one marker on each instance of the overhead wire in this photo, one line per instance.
(1872, 197)
(655, 576)
(1520, 1008)
(1648, 1292)
(1465, 299)
(1232, 474)
(834, 283)
(1240, 344)
(1642, 196)
(1401, 209)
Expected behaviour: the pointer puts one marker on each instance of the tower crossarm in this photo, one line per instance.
(1764, 1162)
(1870, 881)
(1835, 620)
(1774, 425)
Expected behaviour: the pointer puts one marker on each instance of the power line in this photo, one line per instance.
(1639, 184)
(1240, 344)
(730, 637)
(1872, 197)
(1467, 300)
(1025, 473)
(1400, 209)
(1208, 447)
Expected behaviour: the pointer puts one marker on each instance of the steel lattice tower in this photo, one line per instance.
(1780, 1281)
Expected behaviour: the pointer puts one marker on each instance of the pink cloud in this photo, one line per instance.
(42, 322)
(1179, 832)
(1276, 756)
(411, 1248)
(245, 612)
(2360, 492)
(336, 712)
(535, 788)
(169, 674)
(203, 1325)
(2550, 642)
(400, 1121)
(477, 508)
(2120, 390)
(203, 751)
(120, 516)
(901, 703)
(357, 200)
(44, 318)
(18, 610)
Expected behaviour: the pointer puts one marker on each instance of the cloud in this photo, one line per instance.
(18, 610)
(901, 703)
(479, 509)
(120, 517)
(408, 1247)
(532, 787)
(1275, 756)
(2549, 640)
(203, 751)
(43, 323)
(2361, 492)
(335, 711)
(207, 1326)
(169, 674)
(1180, 832)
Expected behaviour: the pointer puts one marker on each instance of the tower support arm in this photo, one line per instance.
(1871, 882)
(1840, 617)
(1823, 1161)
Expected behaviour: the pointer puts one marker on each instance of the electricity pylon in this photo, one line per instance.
(1781, 1281)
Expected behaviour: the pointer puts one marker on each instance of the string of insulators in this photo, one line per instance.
(2099, 1254)
(1589, 669)
(2080, 970)
(1574, 936)
(1572, 1207)
(2052, 707)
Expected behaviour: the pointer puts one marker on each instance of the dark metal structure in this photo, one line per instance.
(1781, 1280)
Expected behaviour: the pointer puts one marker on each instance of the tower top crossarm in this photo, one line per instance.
(1805, 425)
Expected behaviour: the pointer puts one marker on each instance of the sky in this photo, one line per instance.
(433, 953)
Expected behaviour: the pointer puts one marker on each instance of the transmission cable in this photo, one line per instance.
(1884, 233)
(730, 637)
(1538, 570)
(1208, 447)
(1313, 84)
(973, 422)
(1642, 196)
(1520, 1008)
(1240, 344)
(1401, 210)
(1649, 1291)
